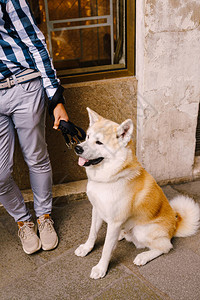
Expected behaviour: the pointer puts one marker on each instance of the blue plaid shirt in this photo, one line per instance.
(22, 45)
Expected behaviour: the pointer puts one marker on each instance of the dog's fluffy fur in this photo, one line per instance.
(127, 198)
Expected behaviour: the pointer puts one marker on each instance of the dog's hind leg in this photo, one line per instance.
(113, 231)
(96, 224)
(130, 237)
(159, 246)
(122, 235)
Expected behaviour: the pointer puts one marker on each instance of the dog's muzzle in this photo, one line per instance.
(83, 162)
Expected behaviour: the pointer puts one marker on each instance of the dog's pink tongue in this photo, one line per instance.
(82, 161)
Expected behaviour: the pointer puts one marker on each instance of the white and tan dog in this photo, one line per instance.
(127, 198)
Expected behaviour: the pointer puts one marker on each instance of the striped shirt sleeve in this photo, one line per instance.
(24, 24)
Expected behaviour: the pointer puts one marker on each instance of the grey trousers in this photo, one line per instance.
(22, 107)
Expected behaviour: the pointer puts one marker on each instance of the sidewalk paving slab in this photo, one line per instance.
(59, 274)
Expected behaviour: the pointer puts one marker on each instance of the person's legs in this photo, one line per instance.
(10, 195)
(29, 120)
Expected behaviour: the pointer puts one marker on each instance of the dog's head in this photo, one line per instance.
(105, 141)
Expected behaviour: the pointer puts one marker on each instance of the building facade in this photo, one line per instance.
(155, 81)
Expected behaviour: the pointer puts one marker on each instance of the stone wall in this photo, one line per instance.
(114, 99)
(168, 73)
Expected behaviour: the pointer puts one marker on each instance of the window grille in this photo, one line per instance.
(80, 23)
(83, 35)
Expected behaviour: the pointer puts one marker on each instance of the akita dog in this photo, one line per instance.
(127, 198)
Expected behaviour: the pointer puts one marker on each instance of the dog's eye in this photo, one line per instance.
(88, 137)
(99, 143)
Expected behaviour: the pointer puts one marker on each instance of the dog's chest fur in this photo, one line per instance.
(110, 200)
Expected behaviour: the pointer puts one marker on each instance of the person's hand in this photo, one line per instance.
(59, 114)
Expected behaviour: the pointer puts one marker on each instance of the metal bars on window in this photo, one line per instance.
(105, 20)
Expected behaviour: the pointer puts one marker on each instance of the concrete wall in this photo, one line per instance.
(168, 73)
(115, 99)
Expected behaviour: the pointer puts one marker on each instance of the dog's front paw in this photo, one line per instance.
(82, 250)
(141, 259)
(98, 272)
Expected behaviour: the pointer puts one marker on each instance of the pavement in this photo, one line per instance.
(59, 274)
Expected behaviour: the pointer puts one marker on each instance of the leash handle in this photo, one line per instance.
(72, 133)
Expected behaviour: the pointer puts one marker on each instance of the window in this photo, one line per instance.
(88, 36)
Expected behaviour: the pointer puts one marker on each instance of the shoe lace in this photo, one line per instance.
(47, 224)
(26, 230)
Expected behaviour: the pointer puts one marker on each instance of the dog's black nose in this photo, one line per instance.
(78, 149)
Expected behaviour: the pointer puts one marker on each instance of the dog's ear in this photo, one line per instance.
(124, 131)
(93, 116)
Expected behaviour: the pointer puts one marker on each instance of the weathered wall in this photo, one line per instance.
(168, 73)
(114, 99)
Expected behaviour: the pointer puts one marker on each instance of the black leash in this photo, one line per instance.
(72, 133)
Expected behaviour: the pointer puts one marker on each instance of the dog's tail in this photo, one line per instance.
(187, 214)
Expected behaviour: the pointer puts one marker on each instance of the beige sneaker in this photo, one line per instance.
(48, 236)
(29, 239)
